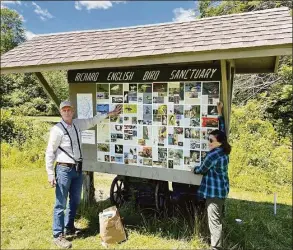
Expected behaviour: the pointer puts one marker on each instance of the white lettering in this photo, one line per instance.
(207, 73)
(77, 77)
(197, 74)
(87, 77)
(213, 71)
(151, 75)
(202, 73)
(120, 76)
(172, 74)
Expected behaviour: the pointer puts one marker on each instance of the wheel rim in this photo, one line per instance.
(118, 192)
(160, 196)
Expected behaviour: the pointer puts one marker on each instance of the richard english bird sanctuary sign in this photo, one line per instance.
(145, 74)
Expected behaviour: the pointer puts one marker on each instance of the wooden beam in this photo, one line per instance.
(160, 59)
(49, 91)
(225, 95)
(277, 64)
(231, 82)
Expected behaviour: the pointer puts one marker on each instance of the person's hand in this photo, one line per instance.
(116, 111)
(219, 108)
(53, 183)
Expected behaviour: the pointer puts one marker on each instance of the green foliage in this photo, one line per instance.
(12, 32)
(208, 8)
(24, 95)
(23, 141)
(273, 90)
(260, 160)
(22, 92)
(279, 108)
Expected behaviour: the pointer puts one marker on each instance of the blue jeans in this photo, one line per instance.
(68, 181)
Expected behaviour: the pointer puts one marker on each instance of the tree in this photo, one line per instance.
(22, 93)
(208, 8)
(273, 90)
(12, 31)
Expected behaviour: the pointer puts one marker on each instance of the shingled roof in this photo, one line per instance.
(271, 27)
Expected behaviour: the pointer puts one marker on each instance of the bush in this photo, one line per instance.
(260, 160)
(23, 141)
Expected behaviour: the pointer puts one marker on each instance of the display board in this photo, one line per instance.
(162, 124)
(167, 113)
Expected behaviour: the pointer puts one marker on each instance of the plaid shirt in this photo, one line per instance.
(214, 168)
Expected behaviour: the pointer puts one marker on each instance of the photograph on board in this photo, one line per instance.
(160, 157)
(103, 152)
(117, 133)
(210, 93)
(176, 155)
(144, 88)
(160, 87)
(160, 136)
(147, 98)
(147, 114)
(130, 134)
(144, 135)
(116, 153)
(130, 154)
(103, 132)
(192, 93)
(210, 122)
(102, 93)
(144, 153)
(132, 92)
(116, 89)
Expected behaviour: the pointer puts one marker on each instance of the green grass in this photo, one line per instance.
(27, 210)
(51, 119)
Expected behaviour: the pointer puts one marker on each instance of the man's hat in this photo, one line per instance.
(65, 104)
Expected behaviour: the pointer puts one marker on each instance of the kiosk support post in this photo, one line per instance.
(88, 188)
(227, 72)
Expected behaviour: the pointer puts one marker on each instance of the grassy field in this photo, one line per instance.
(51, 119)
(27, 204)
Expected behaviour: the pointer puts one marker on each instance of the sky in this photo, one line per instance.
(43, 17)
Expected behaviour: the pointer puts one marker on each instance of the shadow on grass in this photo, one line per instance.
(259, 229)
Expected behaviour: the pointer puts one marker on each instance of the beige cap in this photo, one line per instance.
(65, 104)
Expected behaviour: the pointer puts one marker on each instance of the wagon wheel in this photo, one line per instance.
(161, 196)
(118, 192)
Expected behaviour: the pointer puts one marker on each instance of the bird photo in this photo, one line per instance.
(116, 89)
(103, 87)
(211, 89)
(118, 149)
(130, 108)
(133, 87)
(126, 100)
(145, 88)
(160, 87)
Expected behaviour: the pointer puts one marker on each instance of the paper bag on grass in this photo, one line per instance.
(111, 227)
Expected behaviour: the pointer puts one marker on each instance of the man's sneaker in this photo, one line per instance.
(72, 231)
(61, 242)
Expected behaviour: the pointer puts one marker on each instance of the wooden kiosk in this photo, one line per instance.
(204, 50)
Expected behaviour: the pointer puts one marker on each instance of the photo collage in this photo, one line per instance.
(161, 124)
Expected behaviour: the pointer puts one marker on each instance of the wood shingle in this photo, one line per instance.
(253, 29)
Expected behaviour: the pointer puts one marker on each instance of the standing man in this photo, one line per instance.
(64, 148)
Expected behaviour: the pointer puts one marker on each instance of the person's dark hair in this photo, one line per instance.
(222, 138)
